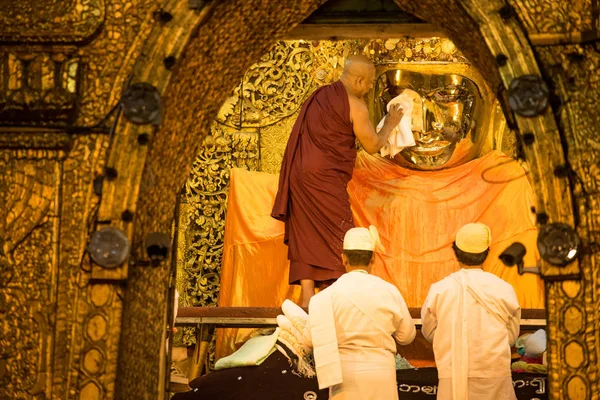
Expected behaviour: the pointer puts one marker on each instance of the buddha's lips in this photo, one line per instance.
(430, 149)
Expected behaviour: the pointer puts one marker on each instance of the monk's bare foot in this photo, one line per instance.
(308, 291)
(305, 303)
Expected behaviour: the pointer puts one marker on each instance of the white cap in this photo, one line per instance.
(362, 239)
(473, 238)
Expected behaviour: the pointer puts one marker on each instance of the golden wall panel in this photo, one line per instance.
(574, 335)
(30, 200)
(88, 329)
(59, 334)
(273, 141)
(49, 21)
(549, 16)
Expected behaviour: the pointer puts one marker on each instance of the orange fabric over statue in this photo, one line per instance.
(417, 214)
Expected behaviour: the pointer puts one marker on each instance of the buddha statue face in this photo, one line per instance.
(443, 116)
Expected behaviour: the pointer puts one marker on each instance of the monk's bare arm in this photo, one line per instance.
(363, 129)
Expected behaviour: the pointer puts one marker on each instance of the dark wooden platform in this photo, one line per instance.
(266, 316)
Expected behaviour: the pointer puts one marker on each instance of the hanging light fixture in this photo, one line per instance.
(558, 243)
(528, 95)
(142, 104)
(109, 247)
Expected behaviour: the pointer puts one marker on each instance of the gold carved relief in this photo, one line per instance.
(574, 340)
(88, 323)
(272, 89)
(201, 221)
(29, 219)
(273, 140)
(547, 16)
(60, 333)
(38, 21)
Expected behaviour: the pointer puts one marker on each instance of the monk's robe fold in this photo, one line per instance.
(312, 199)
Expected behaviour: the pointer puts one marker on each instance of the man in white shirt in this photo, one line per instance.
(472, 317)
(354, 326)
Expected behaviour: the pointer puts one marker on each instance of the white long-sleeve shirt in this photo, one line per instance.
(369, 317)
(491, 328)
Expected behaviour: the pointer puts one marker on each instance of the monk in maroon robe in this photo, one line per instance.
(317, 165)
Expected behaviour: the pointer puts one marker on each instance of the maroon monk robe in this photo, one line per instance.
(312, 199)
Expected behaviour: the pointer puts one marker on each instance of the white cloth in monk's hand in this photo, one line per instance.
(401, 136)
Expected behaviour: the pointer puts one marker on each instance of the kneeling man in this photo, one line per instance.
(472, 317)
(354, 326)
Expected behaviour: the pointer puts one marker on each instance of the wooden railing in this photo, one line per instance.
(245, 317)
(208, 318)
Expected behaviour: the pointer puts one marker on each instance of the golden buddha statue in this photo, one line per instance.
(450, 113)
(442, 117)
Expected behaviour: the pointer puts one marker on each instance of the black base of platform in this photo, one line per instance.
(274, 379)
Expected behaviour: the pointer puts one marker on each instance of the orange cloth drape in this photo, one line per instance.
(254, 270)
(417, 214)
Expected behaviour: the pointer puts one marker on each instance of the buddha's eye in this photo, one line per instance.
(450, 94)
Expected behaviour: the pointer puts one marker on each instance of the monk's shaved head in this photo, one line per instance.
(358, 65)
(358, 76)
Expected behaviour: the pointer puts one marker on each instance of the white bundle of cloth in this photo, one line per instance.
(401, 136)
(292, 325)
(289, 332)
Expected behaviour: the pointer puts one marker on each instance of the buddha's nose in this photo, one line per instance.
(431, 125)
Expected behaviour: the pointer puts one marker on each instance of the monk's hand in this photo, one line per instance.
(394, 115)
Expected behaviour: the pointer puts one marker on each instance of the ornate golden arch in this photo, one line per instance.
(214, 47)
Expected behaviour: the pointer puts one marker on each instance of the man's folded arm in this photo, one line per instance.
(406, 331)
(428, 319)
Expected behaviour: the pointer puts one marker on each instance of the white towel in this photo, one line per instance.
(324, 340)
(401, 136)
(292, 310)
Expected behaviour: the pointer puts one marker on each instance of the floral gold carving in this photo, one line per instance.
(202, 217)
(29, 201)
(548, 16)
